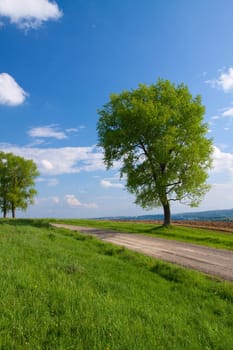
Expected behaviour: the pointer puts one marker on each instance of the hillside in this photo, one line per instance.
(212, 215)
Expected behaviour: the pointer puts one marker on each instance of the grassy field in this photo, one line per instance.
(62, 290)
(186, 234)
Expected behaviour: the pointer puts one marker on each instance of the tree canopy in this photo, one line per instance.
(158, 133)
(17, 177)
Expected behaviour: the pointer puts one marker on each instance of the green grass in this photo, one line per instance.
(61, 290)
(205, 237)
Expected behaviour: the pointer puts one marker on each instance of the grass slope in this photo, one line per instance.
(195, 235)
(62, 290)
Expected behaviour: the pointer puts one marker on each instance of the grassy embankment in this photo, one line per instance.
(62, 290)
(195, 235)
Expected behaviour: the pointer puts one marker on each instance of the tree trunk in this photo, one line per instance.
(167, 214)
(4, 210)
(13, 211)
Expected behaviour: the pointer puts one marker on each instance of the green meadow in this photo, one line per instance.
(62, 290)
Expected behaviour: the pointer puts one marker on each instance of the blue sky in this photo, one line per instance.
(60, 61)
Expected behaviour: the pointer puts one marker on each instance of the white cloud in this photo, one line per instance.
(220, 196)
(11, 93)
(224, 112)
(108, 184)
(47, 131)
(47, 164)
(228, 112)
(29, 13)
(56, 161)
(72, 130)
(224, 81)
(72, 201)
(56, 199)
(222, 161)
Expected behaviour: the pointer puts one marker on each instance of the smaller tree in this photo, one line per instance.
(17, 181)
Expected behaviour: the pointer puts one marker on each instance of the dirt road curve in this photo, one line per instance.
(212, 261)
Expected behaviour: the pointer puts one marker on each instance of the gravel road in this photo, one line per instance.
(217, 262)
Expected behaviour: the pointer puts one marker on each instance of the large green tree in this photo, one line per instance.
(158, 134)
(17, 181)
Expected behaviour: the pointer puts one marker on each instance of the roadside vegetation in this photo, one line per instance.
(63, 290)
(195, 235)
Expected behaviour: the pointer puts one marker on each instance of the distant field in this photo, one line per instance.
(222, 226)
(196, 235)
(63, 290)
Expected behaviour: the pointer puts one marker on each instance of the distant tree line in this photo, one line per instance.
(17, 181)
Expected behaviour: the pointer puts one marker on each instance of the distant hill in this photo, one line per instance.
(212, 215)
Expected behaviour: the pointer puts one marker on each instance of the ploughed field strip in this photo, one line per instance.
(217, 262)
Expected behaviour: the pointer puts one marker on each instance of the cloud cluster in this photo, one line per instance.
(222, 161)
(108, 184)
(71, 160)
(11, 93)
(50, 131)
(72, 201)
(219, 196)
(224, 112)
(28, 14)
(47, 131)
(224, 81)
(57, 161)
(228, 112)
